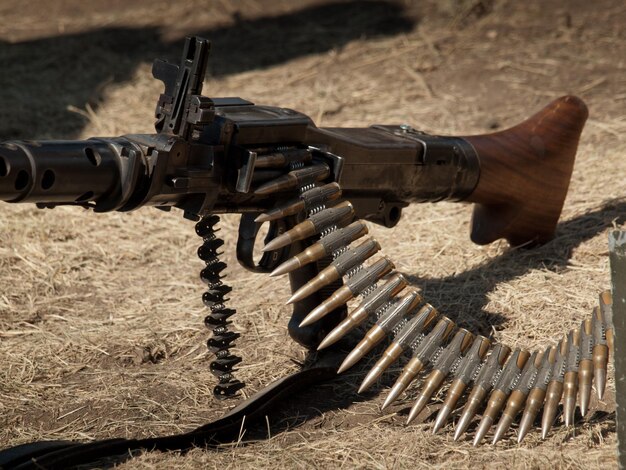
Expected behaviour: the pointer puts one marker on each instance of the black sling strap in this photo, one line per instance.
(67, 454)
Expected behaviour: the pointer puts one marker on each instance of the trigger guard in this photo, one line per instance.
(248, 231)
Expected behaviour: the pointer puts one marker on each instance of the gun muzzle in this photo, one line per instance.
(69, 172)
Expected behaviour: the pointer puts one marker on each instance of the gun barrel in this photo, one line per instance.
(68, 172)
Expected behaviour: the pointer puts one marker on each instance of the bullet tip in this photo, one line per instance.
(484, 426)
(549, 413)
(584, 392)
(352, 358)
(314, 315)
(276, 243)
(389, 399)
(307, 321)
(330, 339)
(461, 426)
(498, 435)
(418, 406)
(583, 408)
(568, 411)
(503, 426)
(600, 380)
(441, 419)
(324, 344)
(412, 416)
(394, 393)
(369, 380)
(524, 426)
(345, 365)
(286, 267)
(264, 189)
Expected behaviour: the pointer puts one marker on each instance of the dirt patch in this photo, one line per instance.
(101, 324)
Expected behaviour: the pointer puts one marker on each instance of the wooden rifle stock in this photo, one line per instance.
(524, 174)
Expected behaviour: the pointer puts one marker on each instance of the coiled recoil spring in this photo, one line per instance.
(217, 321)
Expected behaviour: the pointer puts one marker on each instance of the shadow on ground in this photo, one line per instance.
(464, 296)
(41, 78)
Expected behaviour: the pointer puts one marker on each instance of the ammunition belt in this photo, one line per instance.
(500, 381)
(217, 321)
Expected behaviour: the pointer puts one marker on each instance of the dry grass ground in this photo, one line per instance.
(100, 318)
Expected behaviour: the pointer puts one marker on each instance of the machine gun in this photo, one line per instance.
(227, 155)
